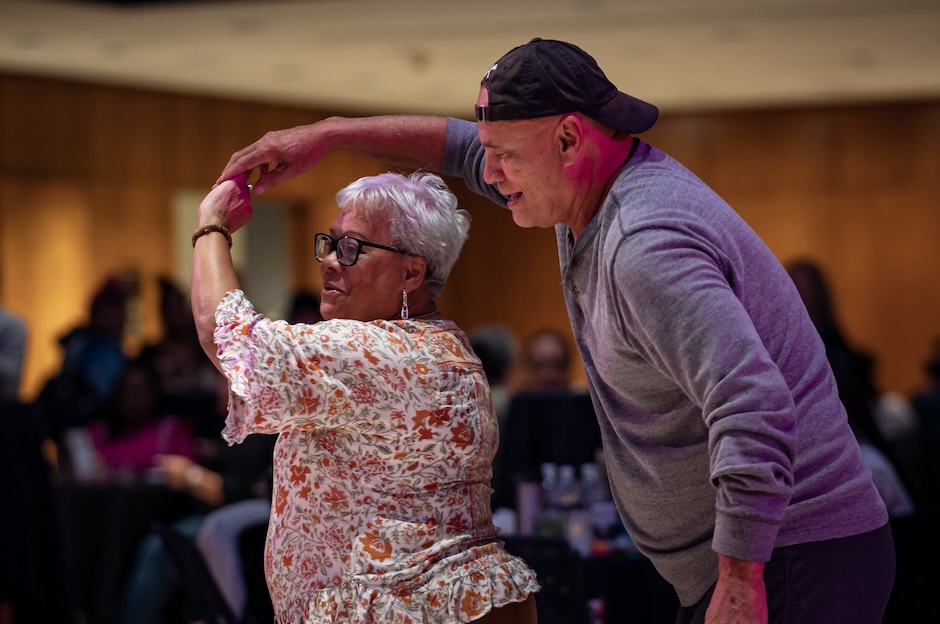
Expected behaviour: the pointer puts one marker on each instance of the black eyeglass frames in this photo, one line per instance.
(347, 248)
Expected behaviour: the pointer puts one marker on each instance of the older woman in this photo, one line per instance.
(381, 486)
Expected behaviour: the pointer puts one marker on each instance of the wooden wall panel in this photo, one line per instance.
(88, 173)
(45, 127)
(47, 267)
(131, 137)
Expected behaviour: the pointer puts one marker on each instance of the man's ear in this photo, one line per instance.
(570, 135)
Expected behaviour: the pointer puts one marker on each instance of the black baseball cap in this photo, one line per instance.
(546, 77)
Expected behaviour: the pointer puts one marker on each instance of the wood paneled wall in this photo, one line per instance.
(88, 173)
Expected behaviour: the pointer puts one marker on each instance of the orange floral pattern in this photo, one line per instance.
(381, 470)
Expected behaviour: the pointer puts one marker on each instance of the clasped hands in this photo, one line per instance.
(228, 204)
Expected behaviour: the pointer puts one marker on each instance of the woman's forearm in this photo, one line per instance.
(226, 208)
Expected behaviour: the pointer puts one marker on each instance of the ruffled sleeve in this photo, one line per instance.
(284, 376)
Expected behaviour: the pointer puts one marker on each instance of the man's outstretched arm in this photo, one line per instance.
(411, 141)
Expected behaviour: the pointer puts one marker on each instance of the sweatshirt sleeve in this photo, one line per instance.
(679, 304)
(464, 158)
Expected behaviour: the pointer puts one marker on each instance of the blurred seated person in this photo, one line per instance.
(549, 420)
(188, 380)
(221, 477)
(93, 360)
(33, 584)
(852, 366)
(132, 430)
(853, 370)
(893, 491)
(547, 358)
(496, 347)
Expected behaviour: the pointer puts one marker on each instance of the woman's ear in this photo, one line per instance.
(415, 270)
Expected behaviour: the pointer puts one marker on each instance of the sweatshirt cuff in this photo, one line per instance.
(752, 540)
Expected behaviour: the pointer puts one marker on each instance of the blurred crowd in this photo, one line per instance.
(111, 418)
(155, 417)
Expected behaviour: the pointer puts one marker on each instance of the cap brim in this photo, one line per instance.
(625, 113)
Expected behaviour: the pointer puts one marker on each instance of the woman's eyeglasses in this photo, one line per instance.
(347, 248)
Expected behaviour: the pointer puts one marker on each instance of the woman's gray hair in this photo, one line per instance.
(424, 219)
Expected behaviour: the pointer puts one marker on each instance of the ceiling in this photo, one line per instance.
(427, 56)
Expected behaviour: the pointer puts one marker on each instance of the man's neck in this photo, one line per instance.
(612, 155)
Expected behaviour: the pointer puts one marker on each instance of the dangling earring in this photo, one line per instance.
(404, 305)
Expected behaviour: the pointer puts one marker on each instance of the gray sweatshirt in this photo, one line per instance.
(722, 426)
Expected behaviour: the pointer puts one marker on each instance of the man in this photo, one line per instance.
(729, 454)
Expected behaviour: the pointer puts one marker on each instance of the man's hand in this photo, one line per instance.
(278, 156)
(740, 595)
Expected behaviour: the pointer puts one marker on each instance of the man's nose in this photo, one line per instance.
(492, 173)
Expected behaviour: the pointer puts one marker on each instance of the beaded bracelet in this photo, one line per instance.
(211, 227)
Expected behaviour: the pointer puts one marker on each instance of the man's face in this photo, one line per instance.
(523, 161)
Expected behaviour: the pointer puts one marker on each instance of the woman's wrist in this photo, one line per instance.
(209, 228)
(215, 217)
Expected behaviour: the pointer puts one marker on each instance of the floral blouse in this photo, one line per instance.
(380, 511)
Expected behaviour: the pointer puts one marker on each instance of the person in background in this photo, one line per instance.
(188, 380)
(385, 427)
(34, 584)
(132, 430)
(547, 422)
(496, 346)
(219, 540)
(548, 361)
(892, 413)
(93, 361)
(213, 480)
(729, 454)
(13, 337)
(927, 400)
(95, 351)
(854, 371)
